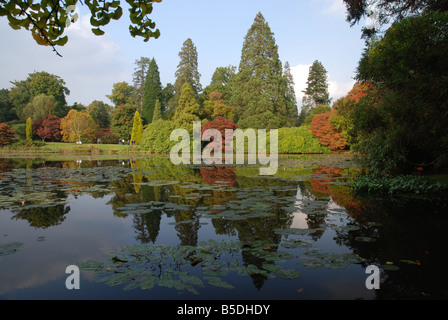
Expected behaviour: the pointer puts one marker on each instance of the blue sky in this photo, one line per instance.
(304, 30)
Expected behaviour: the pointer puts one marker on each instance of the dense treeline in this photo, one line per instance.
(395, 116)
(259, 94)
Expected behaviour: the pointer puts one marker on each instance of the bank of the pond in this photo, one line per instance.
(70, 148)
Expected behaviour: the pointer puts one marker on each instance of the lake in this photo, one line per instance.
(144, 228)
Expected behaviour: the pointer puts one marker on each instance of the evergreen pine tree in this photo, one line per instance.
(157, 112)
(29, 129)
(138, 78)
(188, 110)
(316, 92)
(137, 129)
(290, 96)
(187, 72)
(259, 89)
(152, 91)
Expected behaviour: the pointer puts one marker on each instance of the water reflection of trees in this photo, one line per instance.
(404, 229)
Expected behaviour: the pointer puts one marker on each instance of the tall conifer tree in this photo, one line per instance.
(316, 92)
(157, 112)
(138, 77)
(137, 129)
(152, 91)
(259, 88)
(187, 72)
(290, 95)
(188, 110)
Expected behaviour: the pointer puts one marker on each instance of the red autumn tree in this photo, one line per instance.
(48, 128)
(220, 124)
(6, 134)
(327, 133)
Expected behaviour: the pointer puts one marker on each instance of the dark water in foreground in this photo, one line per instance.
(147, 229)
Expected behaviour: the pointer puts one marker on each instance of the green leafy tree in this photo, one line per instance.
(187, 72)
(385, 12)
(29, 129)
(7, 112)
(259, 88)
(122, 93)
(39, 107)
(38, 83)
(188, 110)
(316, 91)
(222, 81)
(137, 129)
(100, 113)
(47, 20)
(152, 91)
(158, 114)
(407, 126)
(123, 119)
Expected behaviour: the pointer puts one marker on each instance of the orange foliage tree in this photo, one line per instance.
(326, 132)
(76, 126)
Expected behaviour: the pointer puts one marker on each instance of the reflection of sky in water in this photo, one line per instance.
(94, 227)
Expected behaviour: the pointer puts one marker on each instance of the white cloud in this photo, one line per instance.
(300, 75)
(336, 89)
(89, 65)
(334, 7)
(339, 89)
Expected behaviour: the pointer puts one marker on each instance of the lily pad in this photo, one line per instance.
(365, 239)
(9, 248)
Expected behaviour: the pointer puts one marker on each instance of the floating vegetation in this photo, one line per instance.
(9, 248)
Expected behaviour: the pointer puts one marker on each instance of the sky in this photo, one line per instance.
(304, 31)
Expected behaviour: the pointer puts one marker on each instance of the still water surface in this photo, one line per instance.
(147, 229)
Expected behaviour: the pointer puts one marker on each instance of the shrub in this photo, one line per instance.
(404, 184)
(6, 134)
(156, 136)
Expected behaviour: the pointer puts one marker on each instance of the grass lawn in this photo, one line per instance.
(71, 148)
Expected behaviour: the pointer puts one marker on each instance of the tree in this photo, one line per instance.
(221, 124)
(6, 107)
(187, 72)
(100, 113)
(48, 128)
(188, 110)
(138, 78)
(215, 107)
(259, 88)
(290, 97)
(6, 134)
(326, 132)
(29, 129)
(388, 11)
(122, 93)
(123, 119)
(222, 81)
(47, 20)
(137, 129)
(152, 91)
(38, 83)
(407, 126)
(158, 115)
(77, 126)
(316, 91)
(39, 107)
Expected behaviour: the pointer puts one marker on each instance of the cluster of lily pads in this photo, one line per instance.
(189, 268)
(27, 188)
